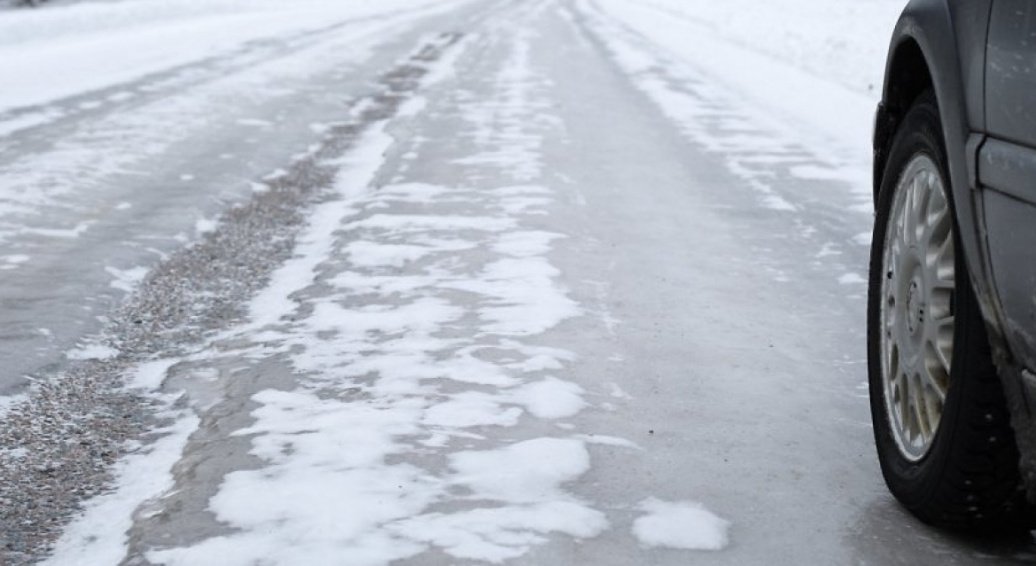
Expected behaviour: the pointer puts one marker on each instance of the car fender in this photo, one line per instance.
(942, 30)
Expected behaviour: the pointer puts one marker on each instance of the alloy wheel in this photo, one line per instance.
(917, 313)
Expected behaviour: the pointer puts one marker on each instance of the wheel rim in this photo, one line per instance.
(917, 311)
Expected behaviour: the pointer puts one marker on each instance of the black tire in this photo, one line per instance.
(969, 477)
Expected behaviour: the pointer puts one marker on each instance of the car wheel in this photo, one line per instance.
(941, 425)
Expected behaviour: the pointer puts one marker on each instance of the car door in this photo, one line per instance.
(1007, 168)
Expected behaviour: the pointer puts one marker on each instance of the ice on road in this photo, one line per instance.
(542, 282)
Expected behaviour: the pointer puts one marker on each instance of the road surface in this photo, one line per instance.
(485, 282)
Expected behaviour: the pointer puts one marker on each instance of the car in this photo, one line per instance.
(951, 308)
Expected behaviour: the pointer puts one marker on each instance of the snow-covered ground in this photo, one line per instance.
(68, 49)
(61, 51)
(425, 282)
(810, 67)
(127, 173)
(840, 41)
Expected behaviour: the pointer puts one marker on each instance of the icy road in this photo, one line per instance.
(424, 282)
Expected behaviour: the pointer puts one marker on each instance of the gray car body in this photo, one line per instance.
(957, 48)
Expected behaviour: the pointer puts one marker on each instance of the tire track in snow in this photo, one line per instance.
(427, 417)
(156, 85)
(415, 345)
(81, 433)
(126, 190)
(45, 176)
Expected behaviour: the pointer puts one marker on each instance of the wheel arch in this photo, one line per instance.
(907, 76)
(923, 54)
(926, 52)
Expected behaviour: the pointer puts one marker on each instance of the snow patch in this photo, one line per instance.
(126, 279)
(274, 302)
(149, 376)
(205, 225)
(101, 533)
(13, 261)
(851, 279)
(550, 398)
(680, 525)
(92, 352)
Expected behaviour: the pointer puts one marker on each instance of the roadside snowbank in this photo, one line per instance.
(815, 65)
(843, 41)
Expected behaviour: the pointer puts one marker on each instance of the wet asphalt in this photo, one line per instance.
(739, 348)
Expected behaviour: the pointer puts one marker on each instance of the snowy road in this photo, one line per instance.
(446, 283)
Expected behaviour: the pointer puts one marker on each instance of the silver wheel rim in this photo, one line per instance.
(917, 311)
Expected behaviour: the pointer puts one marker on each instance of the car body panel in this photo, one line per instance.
(1011, 72)
(1007, 170)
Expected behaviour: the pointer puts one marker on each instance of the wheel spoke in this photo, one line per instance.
(893, 363)
(935, 242)
(922, 201)
(937, 204)
(936, 373)
(910, 215)
(942, 343)
(941, 283)
(917, 414)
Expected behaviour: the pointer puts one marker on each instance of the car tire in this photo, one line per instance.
(963, 471)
